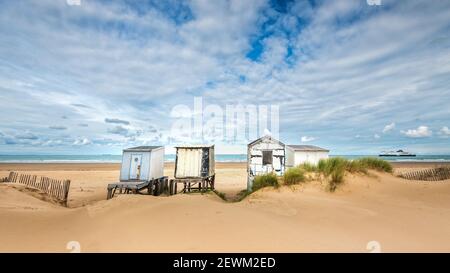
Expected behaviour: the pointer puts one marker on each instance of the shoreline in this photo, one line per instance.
(93, 166)
(54, 166)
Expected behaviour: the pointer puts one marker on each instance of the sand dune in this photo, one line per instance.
(401, 215)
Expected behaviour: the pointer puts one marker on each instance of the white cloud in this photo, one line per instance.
(81, 142)
(445, 131)
(376, 136)
(421, 131)
(388, 127)
(307, 138)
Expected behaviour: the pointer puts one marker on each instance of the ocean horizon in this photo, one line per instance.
(106, 158)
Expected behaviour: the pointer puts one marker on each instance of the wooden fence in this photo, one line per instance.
(58, 189)
(435, 174)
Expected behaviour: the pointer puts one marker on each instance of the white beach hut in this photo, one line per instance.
(265, 155)
(194, 161)
(142, 163)
(299, 154)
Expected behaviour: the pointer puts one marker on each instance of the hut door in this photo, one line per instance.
(205, 163)
(135, 166)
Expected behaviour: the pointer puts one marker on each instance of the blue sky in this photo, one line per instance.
(101, 76)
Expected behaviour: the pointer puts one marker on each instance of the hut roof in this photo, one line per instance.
(265, 137)
(142, 149)
(194, 146)
(310, 148)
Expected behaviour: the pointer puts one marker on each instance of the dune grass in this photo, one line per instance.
(265, 180)
(308, 167)
(375, 164)
(356, 166)
(334, 168)
(220, 194)
(294, 176)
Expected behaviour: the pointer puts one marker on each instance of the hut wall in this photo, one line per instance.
(152, 164)
(195, 162)
(156, 164)
(312, 157)
(125, 167)
(212, 161)
(255, 160)
(290, 157)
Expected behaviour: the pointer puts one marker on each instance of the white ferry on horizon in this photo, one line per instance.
(396, 153)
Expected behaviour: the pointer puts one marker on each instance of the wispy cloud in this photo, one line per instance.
(118, 130)
(82, 142)
(445, 131)
(80, 105)
(118, 121)
(29, 136)
(307, 138)
(388, 127)
(57, 127)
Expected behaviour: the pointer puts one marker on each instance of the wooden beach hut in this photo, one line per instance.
(194, 168)
(142, 169)
(269, 155)
(299, 154)
(265, 155)
(142, 163)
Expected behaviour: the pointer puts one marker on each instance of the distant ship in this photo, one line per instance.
(396, 153)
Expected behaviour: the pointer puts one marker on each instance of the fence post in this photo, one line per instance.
(66, 192)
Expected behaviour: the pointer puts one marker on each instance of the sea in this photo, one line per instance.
(106, 158)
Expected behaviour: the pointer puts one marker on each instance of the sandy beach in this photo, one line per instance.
(400, 215)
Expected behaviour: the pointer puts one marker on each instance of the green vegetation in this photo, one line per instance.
(308, 167)
(242, 194)
(221, 195)
(376, 164)
(332, 165)
(337, 177)
(294, 176)
(335, 168)
(265, 180)
(332, 169)
(356, 166)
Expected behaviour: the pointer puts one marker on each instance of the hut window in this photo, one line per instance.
(267, 157)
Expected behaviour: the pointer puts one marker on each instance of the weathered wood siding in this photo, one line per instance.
(188, 162)
(195, 162)
(255, 158)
